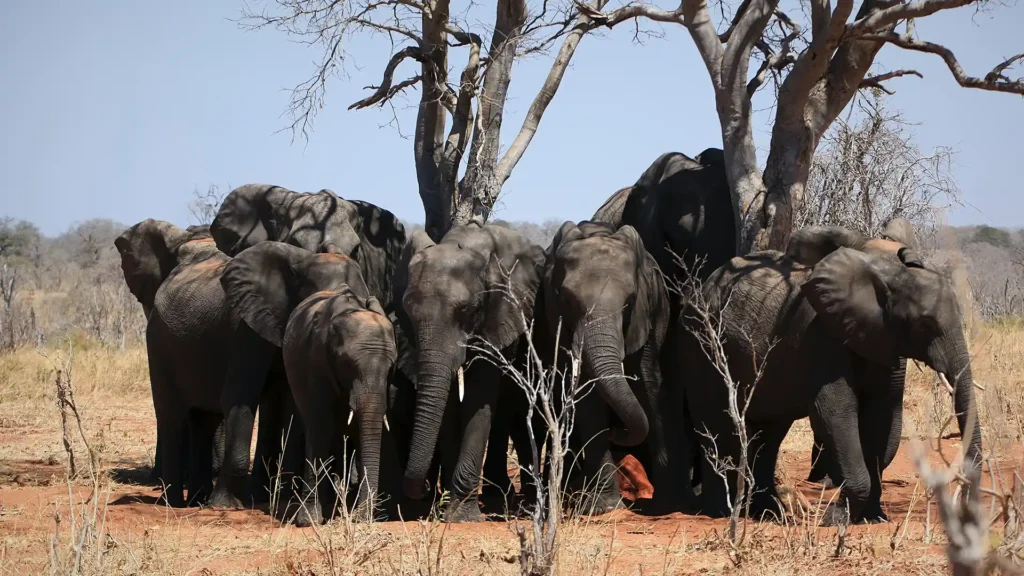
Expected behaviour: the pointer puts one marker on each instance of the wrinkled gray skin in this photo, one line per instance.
(320, 222)
(839, 330)
(174, 274)
(810, 245)
(338, 349)
(453, 296)
(682, 208)
(607, 293)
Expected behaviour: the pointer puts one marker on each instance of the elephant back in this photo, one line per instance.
(191, 300)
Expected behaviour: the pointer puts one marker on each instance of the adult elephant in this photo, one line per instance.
(338, 348)
(473, 288)
(683, 211)
(606, 292)
(824, 338)
(682, 208)
(174, 274)
(898, 242)
(319, 223)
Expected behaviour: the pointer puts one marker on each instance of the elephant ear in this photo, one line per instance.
(516, 266)
(262, 287)
(810, 245)
(649, 302)
(849, 293)
(147, 257)
(373, 305)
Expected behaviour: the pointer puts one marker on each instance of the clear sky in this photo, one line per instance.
(120, 108)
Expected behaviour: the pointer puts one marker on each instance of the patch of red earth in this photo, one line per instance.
(639, 542)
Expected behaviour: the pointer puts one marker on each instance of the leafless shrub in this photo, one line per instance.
(869, 170)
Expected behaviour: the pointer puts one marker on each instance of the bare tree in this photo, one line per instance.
(425, 31)
(817, 66)
(870, 170)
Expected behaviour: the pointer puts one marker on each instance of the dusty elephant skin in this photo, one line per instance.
(605, 290)
(455, 293)
(175, 275)
(839, 331)
(318, 223)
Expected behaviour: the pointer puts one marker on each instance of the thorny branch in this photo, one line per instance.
(876, 81)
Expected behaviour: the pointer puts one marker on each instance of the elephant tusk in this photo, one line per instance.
(386, 426)
(575, 370)
(918, 366)
(351, 413)
(945, 382)
(979, 386)
(462, 385)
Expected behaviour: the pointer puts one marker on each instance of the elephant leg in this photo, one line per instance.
(170, 421)
(881, 412)
(835, 413)
(265, 460)
(599, 492)
(665, 448)
(763, 450)
(497, 491)
(317, 495)
(158, 462)
(477, 408)
(243, 388)
(202, 428)
(525, 449)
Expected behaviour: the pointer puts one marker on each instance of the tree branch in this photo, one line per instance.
(994, 81)
(385, 91)
(878, 19)
(876, 81)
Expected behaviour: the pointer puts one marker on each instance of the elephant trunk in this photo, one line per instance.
(950, 358)
(602, 349)
(370, 410)
(435, 371)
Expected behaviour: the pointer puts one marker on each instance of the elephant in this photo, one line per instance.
(825, 340)
(604, 294)
(810, 245)
(338, 348)
(319, 223)
(473, 288)
(683, 210)
(175, 274)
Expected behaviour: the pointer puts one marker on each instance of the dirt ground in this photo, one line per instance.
(44, 519)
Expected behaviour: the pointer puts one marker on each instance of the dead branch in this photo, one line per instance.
(994, 81)
(385, 90)
(876, 81)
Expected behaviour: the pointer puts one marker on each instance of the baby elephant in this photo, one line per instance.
(339, 350)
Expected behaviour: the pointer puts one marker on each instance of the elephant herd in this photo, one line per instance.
(369, 355)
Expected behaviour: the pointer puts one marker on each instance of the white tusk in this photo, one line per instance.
(918, 366)
(386, 426)
(622, 367)
(575, 370)
(945, 382)
(462, 385)
(351, 413)
(979, 386)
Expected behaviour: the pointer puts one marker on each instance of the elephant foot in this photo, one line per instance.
(873, 514)
(463, 511)
(308, 514)
(222, 499)
(837, 514)
(598, 504)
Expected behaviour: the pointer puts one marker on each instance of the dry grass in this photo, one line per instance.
(139, 537)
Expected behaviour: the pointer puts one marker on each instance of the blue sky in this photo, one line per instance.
(120, 108)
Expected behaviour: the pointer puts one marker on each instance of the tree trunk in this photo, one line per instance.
(430, 122)
(480, 187)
